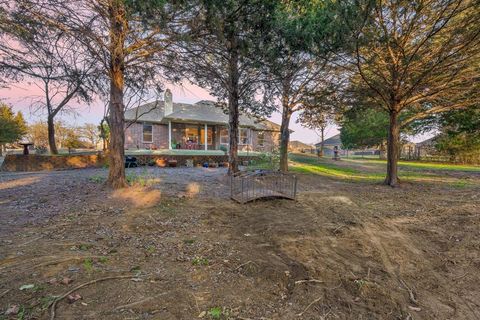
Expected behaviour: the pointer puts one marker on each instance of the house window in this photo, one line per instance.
(261, 138)
(147, 133)
(209, 135)
(224, 136)
(244, 137)
(191, 133)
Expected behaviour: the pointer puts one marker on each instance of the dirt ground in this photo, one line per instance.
(175, 247)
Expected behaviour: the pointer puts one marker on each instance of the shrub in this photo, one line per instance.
(224, 149)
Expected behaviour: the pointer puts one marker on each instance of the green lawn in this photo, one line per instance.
(428, 165)
(374, 171)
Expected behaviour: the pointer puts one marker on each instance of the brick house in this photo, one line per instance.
(169, 125)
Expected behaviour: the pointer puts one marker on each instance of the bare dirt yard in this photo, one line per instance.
(173, 246)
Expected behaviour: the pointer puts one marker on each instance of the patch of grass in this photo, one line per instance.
(136, 270)
(46, 301)
(88, 265)
(461, 184)
(215, 312)
(103, 260)
(198, 261)
(142, 180)
(360, 283)
(439, 166)
(312, 165)
(38, 288)
(374, 173)
(151, 249)
(97, 179)
(168, 206)
(85, 247)
(21, 313)
(424, 165)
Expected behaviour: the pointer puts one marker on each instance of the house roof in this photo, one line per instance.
(295, 144)
(201, 112)
(332, 141)
(428, 142)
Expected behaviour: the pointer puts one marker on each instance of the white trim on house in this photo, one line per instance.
(262, 139)
(169, 135)
(205, 136)
(248, 137)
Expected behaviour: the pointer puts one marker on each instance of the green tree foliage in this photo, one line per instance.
(90, 133)
(104, 131)
(418, 57)
(223, 53)
(73, 140)
(300, 61)
(12, 126)
(66, 136)
(364, 128)
(460, 134)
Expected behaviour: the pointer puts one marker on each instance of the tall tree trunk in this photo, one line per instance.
(284, 136)
(116, 175)
(51, 135)
(233, 112)
(233, 134)
(322, 142)
(393, 144)
(1, 150)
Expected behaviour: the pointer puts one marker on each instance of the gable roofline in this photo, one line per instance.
(203, 111)
(332, 141)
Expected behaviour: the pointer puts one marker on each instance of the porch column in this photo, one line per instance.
(205, 136)
(170, 135)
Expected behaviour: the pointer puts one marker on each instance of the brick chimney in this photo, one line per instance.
(168, 99)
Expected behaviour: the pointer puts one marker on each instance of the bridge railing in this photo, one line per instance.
(249, 186)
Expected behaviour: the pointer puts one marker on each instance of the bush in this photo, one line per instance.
(270, 160)
(224, 149)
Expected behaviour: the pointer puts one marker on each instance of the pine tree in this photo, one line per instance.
(12, 126)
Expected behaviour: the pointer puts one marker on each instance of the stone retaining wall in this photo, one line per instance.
(16, 162)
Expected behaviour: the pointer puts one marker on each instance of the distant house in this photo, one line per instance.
(426, 147)
(298, 146)
(329, 144)
(335, 141)
(199, 126)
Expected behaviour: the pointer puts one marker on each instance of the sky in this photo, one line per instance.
(22, 97)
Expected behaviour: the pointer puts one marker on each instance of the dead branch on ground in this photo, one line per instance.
(53, 305)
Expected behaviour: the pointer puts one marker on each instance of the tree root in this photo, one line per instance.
(5, 292)
(316, 300)
(53, 305)
(308, 307)
(410, 293)
(244, 264)
(309, 280)
(136, 303)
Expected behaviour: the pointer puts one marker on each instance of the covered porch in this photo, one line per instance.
(204, 136)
